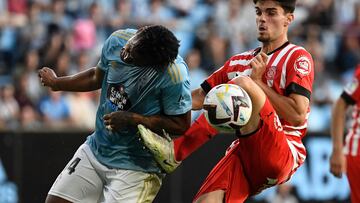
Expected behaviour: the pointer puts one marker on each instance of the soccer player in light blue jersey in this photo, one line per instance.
(142, 81)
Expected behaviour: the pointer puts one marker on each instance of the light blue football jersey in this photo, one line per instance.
(146, 91)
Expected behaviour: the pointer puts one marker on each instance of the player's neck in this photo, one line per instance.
(270, 47)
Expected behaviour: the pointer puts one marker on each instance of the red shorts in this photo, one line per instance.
(253, 163)
(352, 172)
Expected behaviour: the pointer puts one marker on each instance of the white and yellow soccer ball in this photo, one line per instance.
(227, 107)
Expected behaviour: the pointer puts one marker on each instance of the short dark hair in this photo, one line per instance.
(287, 5)
(157, 44)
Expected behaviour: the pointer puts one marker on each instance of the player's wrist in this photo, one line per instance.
(337, 150)
(56, 84)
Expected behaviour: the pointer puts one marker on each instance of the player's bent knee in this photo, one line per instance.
(249, 86)
(243, 81)
(55, 199)
(216, 196)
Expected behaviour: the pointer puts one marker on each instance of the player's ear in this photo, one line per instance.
(289, 19)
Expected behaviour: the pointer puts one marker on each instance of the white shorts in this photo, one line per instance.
(84, 179)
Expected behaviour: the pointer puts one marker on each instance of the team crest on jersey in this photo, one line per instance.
(118, 98)
(352, 86)
(302, 65)
(270, 74)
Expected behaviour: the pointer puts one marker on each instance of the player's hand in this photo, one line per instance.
(118, 120)
(48, 78)
(258, 65)
(337, 164)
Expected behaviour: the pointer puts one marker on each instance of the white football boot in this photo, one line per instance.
(162, 147)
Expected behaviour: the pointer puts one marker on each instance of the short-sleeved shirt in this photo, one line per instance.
(143, 90)
(289, 70)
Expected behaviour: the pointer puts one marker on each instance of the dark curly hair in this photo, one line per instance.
(157, 45)
(287, 5)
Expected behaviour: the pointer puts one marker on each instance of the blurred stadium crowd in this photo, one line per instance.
(68, 35)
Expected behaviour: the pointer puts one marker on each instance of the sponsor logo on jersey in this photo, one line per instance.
(302, 65)
(118, 98)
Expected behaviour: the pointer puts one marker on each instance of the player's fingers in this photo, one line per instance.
(264, 57)
(336, 171)
(254, 63)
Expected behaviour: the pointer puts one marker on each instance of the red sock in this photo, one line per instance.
(199, 133)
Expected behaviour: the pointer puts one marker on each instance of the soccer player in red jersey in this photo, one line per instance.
(278, 76)
(347, 159)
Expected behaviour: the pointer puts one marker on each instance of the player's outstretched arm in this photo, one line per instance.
(174, 125)
(88, 80)
(337, 158)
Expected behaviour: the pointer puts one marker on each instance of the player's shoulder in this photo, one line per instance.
(124, 34)
(299, 51)
(116, 41)
(177, 71)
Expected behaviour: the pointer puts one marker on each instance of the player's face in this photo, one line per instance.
(129, 56)
(271, 20)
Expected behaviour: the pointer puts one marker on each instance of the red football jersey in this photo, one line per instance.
(290, 69)
(352, 96)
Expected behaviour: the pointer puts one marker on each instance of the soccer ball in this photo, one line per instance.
(227, 107)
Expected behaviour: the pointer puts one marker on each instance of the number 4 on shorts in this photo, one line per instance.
(73, 165)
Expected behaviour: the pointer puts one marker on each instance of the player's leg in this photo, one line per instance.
(130, 186)
(226, 182)
(352, 172)
(267, 156)
(78, 182)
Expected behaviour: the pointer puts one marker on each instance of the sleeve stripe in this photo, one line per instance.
(122, 35)
(178, 71)
(175, 74)
(348, 99)
(205, 86)
(297, 89)
(123, 32)
(170, 71)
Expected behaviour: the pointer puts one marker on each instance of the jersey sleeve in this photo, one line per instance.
(216, 78)
(176, 95)
(300, 73)
(351, 93)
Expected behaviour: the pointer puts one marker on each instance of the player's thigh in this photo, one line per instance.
(78, 182)
(130, 186)
(226, 181)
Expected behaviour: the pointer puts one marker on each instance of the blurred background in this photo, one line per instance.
(40, 129)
